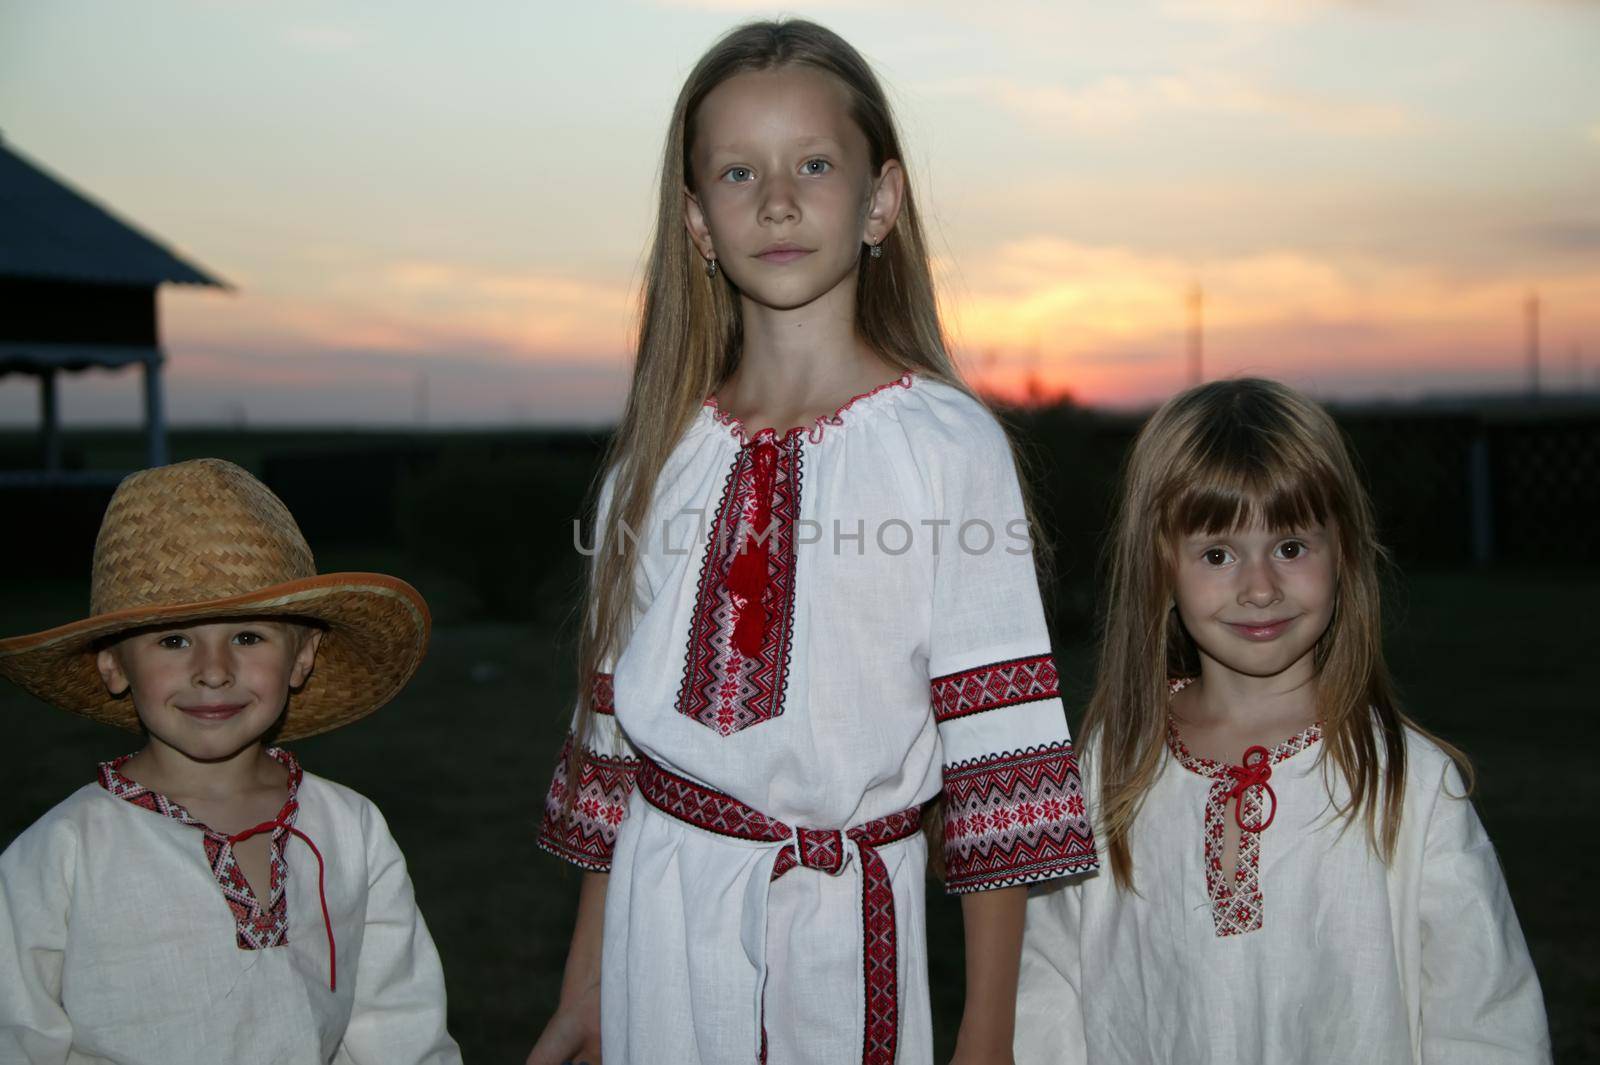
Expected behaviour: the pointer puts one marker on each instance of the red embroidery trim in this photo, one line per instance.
(257, 925)
(992, 686)
(1015, 817)
(821, 849)
(281, 823)
(603, 697)
(726, 687)
(585, 833)
(1237, 908)
(814, 432)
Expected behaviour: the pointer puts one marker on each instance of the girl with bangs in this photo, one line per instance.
(813, 609)
(1295, 871)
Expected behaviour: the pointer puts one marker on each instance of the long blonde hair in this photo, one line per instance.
(690, 331)
(1231, 454)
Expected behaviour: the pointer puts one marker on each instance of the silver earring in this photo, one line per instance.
(711, 267)
(877, 251)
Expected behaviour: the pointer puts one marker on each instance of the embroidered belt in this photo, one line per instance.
(812, 848)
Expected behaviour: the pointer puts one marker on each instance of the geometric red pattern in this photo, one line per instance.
(1236, 908)
(989, 687)
(1014, 818)
(742, 628)
(821, 849)
(585, 832)
(602, 695)
(257, 926)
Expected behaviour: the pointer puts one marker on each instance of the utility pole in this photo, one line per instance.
(1530, 312)
(1196, 335)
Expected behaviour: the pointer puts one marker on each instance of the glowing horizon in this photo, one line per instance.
(424, 213)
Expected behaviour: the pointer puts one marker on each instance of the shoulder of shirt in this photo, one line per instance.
(945, 422)
(62, 825)
(1428, 767)
(332, 799)
(1430, 772)
(940, 403)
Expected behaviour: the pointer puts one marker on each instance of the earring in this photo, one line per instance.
(877, 251)
(711, 267)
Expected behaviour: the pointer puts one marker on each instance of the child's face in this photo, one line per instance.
(210, 690)
(785, 192)
(1257, 601)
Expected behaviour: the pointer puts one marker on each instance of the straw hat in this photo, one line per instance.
(202, 540)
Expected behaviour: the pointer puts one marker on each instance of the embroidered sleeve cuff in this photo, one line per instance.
(993, 686)
(584, 832)
(1015, 818)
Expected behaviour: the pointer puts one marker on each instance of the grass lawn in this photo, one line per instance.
(1501, 663)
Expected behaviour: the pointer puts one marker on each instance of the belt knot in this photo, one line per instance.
(821, 848)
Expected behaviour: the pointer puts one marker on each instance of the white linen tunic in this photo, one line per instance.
(896, 647)
(128, 935)
(1317, 953)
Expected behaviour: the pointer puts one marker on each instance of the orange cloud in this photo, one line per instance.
(415, 307)
(1111, 324)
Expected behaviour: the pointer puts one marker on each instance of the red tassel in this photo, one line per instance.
(747, 580)
(747, 577)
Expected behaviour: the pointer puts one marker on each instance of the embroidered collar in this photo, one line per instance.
(1238, 903)
(111, 778)
(1210, 767)
(812, 432)
(258, 924)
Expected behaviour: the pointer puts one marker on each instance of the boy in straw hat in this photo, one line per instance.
(205, 900)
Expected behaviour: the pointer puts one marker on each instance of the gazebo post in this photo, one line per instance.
(155, 426)
(50, 420)
(89, 301)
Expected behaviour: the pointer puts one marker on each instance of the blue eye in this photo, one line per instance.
(815, 166)
(738, 174)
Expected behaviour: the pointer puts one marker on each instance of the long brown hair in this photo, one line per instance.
(690, 331)
(1231, 454)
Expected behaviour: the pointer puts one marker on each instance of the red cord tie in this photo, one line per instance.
(747, 577)
(281, 821)
(1254, 773)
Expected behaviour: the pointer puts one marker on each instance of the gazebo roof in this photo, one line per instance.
(50, 231)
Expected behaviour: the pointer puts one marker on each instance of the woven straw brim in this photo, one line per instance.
(376, 634)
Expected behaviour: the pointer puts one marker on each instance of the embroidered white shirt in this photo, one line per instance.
(887, 642)
(125, 938)
(1317, 953)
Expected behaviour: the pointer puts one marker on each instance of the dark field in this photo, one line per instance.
(1499, 659)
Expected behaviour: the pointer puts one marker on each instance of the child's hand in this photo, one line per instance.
(573, 1035)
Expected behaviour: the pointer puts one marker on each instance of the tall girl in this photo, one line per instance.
(813, 608)
(1296, 874)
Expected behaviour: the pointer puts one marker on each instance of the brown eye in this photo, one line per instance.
(1291, 550)
(1217, 556)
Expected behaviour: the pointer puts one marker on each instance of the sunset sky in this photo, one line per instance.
(453, 199)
